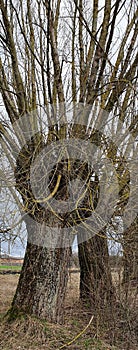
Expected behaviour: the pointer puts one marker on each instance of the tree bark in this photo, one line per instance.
(42, 284)
(95, 274)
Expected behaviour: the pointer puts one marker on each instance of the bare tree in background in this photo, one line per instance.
(55, 54)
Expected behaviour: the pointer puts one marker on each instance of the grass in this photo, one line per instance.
(10, 267)
(29, 333)
(32, 334)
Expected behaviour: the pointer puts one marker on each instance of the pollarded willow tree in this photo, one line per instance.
(67, 79)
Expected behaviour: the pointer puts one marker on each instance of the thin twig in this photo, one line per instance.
(77, 336)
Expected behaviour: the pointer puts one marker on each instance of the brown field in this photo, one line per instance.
(28, 333)
(10, 261)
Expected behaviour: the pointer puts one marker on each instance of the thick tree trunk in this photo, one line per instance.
(130, 254)
(43, 280)
(42, 283)
(95, 274)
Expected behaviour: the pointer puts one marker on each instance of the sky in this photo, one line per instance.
(17, 249)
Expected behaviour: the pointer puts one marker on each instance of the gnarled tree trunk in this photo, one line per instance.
(43, 280)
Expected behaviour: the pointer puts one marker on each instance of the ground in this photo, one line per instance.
(28, 333)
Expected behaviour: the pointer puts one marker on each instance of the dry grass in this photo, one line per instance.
(28, 333)
(8, 285)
